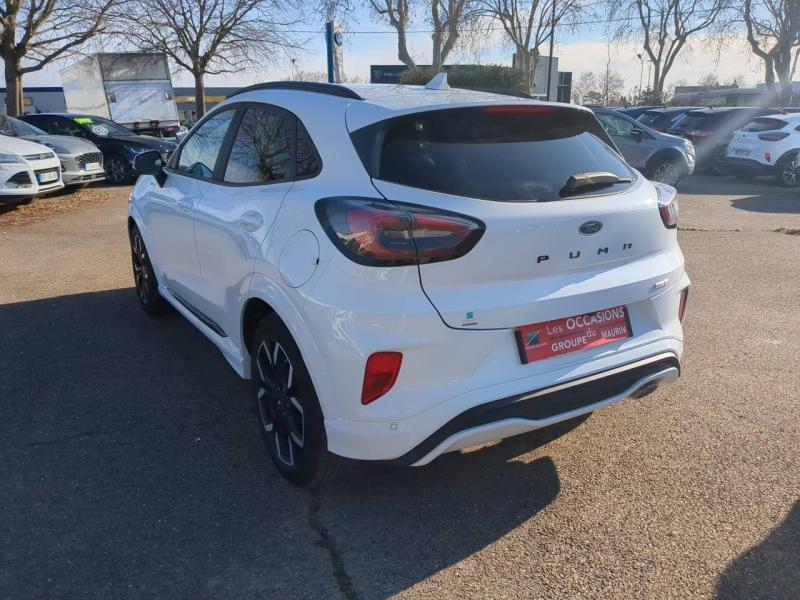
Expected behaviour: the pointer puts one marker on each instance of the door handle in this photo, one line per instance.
(251, 220)
(185, 203)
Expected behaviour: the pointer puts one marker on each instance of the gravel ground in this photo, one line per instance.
(133, 466)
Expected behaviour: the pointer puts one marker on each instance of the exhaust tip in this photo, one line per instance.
(645, 390)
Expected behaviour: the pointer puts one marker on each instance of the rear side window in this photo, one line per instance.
(308, 162)
(692, 120)
(516, 153)
(764, 124)
(262, 149)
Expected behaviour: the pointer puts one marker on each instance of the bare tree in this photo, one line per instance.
(666, 26)
(709, 80)
(773, 30)
(34, 34)
(527, 24)
(398, 13)
(584, 89)
(210, 37)
(448, 19)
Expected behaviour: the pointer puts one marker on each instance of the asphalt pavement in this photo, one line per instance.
(132, 465)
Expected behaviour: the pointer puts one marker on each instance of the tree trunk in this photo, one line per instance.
(783, 68)
(199, 96)
(14, 102)
(402, 50)
(436, 37)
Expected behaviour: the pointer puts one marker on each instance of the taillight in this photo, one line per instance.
(682, 305)
(667, 204)
(380, 233)
(773, 136)
(380, 374)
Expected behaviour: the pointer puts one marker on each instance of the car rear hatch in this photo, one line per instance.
(549, 248)
(751, 141)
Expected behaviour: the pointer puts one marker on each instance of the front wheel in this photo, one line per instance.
(288, 409)
(118, 171)
(144, 277)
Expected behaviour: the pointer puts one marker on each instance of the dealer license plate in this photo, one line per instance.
(562, 336)
(91, 166)
(45, 177)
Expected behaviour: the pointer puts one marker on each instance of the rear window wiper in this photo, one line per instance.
(581, 182)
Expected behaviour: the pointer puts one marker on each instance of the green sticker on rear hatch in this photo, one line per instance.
(82, 120)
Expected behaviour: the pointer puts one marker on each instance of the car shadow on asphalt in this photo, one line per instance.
(702, 184)
(787, 203)
(770, 570)
(133, 467)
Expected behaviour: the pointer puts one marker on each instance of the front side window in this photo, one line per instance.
(262, 150)
(199, 154)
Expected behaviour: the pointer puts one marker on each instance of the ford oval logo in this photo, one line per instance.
(590, 227)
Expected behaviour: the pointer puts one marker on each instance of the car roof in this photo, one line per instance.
(669, 109)
(369, 103)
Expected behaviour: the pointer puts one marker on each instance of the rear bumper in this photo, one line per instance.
(748, 165)
(525, 412)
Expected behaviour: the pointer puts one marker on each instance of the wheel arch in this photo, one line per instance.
(265, 299)
(792, 153)
(662, 155)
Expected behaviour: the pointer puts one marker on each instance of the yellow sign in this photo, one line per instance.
(190, 99)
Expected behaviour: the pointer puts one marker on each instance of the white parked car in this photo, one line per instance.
(767, 146)
(27, 170)
(405, 271)
(81, 161)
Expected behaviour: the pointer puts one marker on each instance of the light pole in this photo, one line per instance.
(552, 36)
(641, 72)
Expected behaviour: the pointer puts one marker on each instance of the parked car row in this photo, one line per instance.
(43, 153)
(668, 143)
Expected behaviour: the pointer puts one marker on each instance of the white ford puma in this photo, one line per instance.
(405, 271)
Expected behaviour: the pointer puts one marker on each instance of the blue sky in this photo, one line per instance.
(371, 42)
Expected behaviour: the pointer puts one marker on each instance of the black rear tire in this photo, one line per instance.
(288, 409)
(717, 165)
(785, 173)
(144, 277)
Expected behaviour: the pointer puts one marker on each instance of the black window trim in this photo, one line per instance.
(218, 176)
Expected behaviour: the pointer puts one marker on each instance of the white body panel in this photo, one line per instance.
(27, 169)
(340, 312)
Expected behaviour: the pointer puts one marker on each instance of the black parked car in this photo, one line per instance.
(710, 129)
(662, 119)
(634, 111)
(118, 144)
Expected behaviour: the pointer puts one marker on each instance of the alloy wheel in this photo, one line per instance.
(140, 274)
(280, 409)
(115, 170)
(789, 175)
(666, 173)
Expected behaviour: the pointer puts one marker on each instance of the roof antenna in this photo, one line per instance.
(439, 82)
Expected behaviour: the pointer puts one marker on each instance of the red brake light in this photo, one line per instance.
(380, 374)
(774, 136)
(379, 233)
(519, 109)
(682, 305)
(667, 204)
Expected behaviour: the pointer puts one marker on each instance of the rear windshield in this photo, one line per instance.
(656, 119)
(764, 124)
(519, 153)
(694, 120)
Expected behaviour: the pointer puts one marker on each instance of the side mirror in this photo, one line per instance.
(637, 135)
(150, 163)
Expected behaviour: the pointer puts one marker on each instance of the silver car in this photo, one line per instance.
(659, 156)
(81, 161)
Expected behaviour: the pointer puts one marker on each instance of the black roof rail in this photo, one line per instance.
(331, 89)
